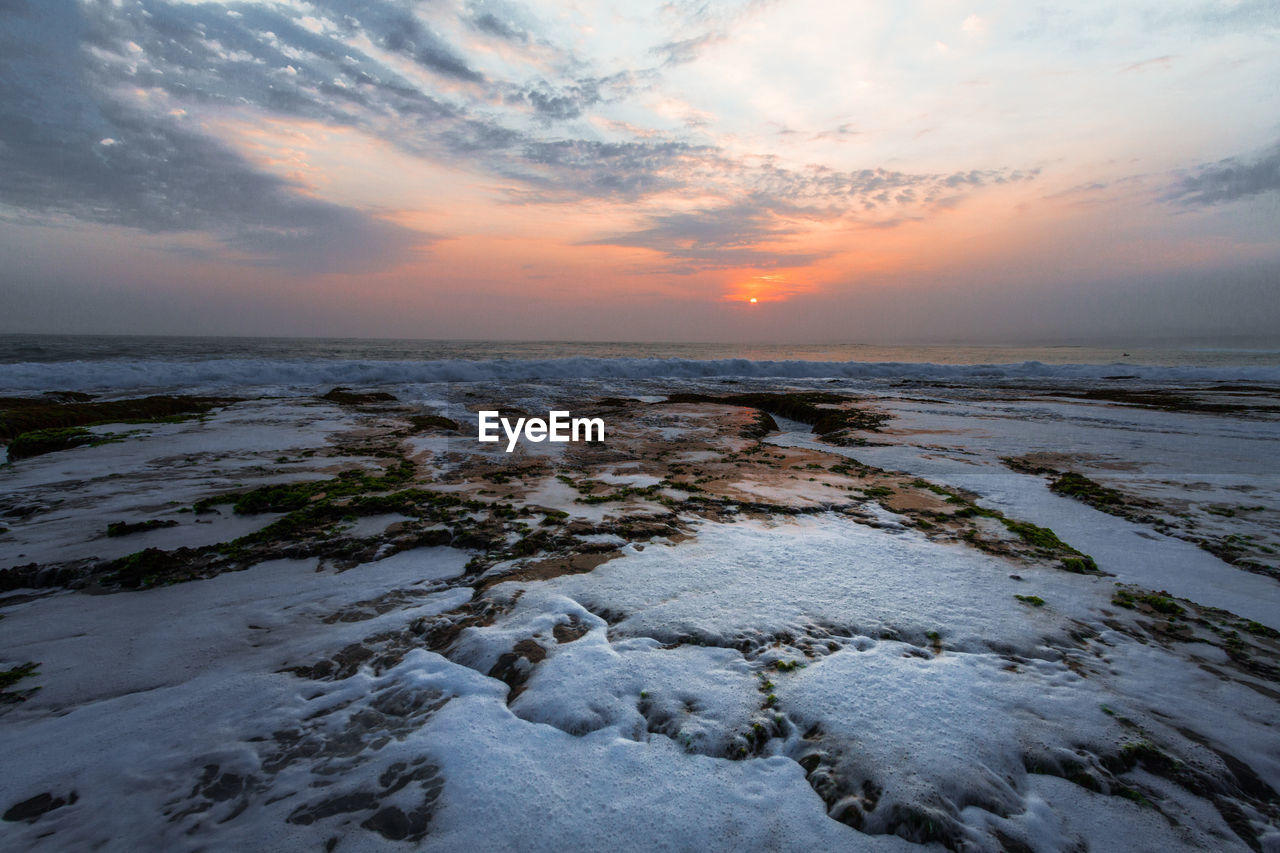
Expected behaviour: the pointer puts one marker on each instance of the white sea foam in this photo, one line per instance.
(175, 715)
(128, 374)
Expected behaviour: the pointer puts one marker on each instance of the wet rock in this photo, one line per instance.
(41, 804)
(356, 801)
(567, 633)
(514, 667)
(390, 822)
(347, 397)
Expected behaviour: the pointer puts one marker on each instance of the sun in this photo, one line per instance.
(753, 300)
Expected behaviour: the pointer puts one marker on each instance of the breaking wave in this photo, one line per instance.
(132, 375)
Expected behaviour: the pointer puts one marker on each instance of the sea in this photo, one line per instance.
(98, 363)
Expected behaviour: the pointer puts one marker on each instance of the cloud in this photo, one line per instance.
(504, 20)
(560, 103)
(1213, 18)
(128, 71)
(263, 57)
(205, 55)
(1229, 180)
(766, 204)
(714, 18)
(841, 132)
(569, 169)
(315, 237)
(716, 238)
(67, 151)
(719, 13)
(396, 28)
(681, 51)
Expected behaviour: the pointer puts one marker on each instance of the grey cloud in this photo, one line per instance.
(1083, 27)
(872, 188)
(199, 53)
(570, 99)
(709, 19)
(262, 57)
(478, 139)
(427, 50)
(726, 235)
(959, 179)
(496, 18)
(492, 24)
(716, 238)
(1241, 15)
(890, 224)
(66, 151)
(682, 51)
(718, 12)
(575, 168)
(316, 237)
(259, 56)
(1229, 180)
(561, 103)
(730, 226)
(844, 131)
(163, 176)
(394, 26)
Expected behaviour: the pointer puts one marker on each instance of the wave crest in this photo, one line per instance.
(289, 373)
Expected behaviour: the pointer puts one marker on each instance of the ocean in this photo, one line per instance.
(101, 363)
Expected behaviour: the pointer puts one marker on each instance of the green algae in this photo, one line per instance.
(292, 496)
(1156, 601)
(41, 441)
(1088, 491)
(1034, 535)
(20, 415)
(1082, 565)
(125, 528)
(11, 677)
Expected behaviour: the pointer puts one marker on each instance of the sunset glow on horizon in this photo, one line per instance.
(491, 168)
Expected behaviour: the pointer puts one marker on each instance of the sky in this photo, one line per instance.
(691, 170)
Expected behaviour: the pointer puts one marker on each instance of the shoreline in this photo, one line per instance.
(711, 583)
